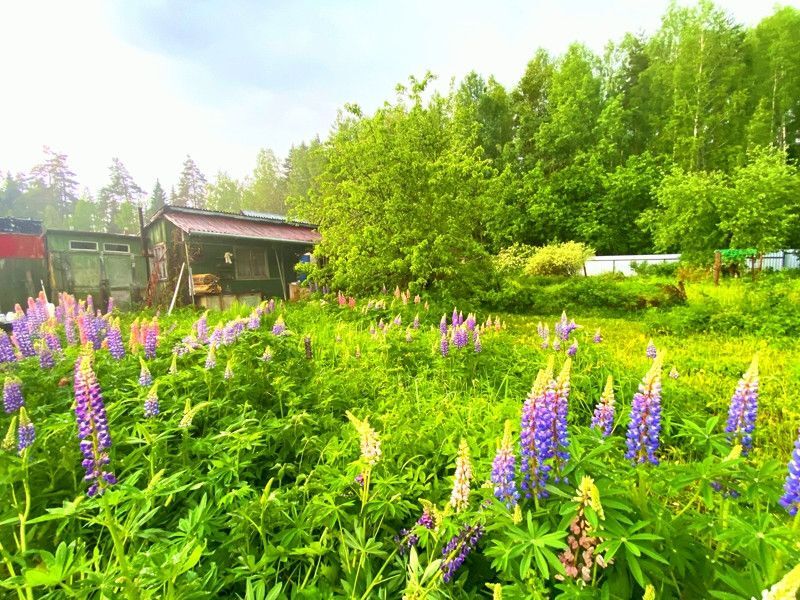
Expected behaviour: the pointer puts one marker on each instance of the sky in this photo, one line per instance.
(151, 81)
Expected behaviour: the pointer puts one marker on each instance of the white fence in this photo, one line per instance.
(777, 261)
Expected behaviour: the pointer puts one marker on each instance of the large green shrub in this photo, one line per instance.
(559, 259)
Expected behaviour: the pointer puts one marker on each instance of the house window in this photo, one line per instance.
(82, 245)
(159, 264)
(251, 263)
(120, 248)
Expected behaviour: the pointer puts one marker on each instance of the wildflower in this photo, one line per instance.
(151, 403)
(459, 497)
(543, 331)
(307, 346)
(444, 346)
(114, 337)
(505, 488)
(535, 439)
(744, 409)
(603, 418)
(201, 328)
(215, 339)
(21, 334)
(409, 337)
(478, 346)
(563, 328)
(46, 360)
(460, 337)
(786, 588)
(454, 318)
(370, 442)
(598, 337)
(559, 402)
(407, 538)
(457, 550)
(573, 349)
(415, 324)
(173, 366)
(90, 413)
(556, 344)
(645, 424)
(651, 349)
(228, 370)
(133, 339)
(211, 357)
(546, 343)
(51, 338)
(10, 440)
(279, 327)
(579, 557)
(791, 488)
(417, 299)
(6, 349)
(398, 320)
(267, 355)
(145, 378)
(26, 433)
(12, 394)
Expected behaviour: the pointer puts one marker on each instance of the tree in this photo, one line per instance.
(303, 166)
(85, 215)
(122, 188)
(267, 190)
(529, 104)
(191, 186)
(54, 176)
(158, 198)
(225, 194)
(127, 218)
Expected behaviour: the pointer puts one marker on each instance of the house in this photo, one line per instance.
(226, 257)
(22, 260)
(97, 263)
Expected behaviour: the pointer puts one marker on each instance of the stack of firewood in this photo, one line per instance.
(205, 284)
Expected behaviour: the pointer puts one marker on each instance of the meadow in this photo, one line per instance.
(348, 448)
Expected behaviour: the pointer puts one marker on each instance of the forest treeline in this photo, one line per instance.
(684, 140)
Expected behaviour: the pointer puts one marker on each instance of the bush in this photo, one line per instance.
(559, 259)
(657, 269)
(512, 260)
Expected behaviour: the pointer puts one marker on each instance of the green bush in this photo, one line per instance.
(657, 269)
(559, 259)
(513, 259)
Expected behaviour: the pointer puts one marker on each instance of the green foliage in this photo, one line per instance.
(513, 259)
(559, 259)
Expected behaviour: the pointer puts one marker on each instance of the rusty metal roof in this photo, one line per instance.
(209, 223)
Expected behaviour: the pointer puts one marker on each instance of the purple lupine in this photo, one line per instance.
(503, 465)
(279, 327)
(211, 357)
(7, 353)
(151, 408)
(460, 337)
(407, 538)
(52, 340)
(564, 327)
(544, 333)
(791, 488)
(470, 322)
(151, 339)
(26, 434)
(645, 424)
(651, 349)
(110, 307)
(673, 373)
(557, 396)
(89, 304)
(415, 324)
(443, 325)
(69, 329)
(267, 355)
(254, 320)
(22, 335)
(215, 339)
(116, 346)
(535, 439)
(603, 418)
(556, 344)
(46, 360)
(460, 318)
(145, 378)
(201, 328)
(444, 346)
(409, 337)
(90, 413)
(573, 349)
(307, 347)
(598, 337)
(398, 320)
(478, 346)
(744, 409)
(458, 548)
(12, 394)
(454, 318)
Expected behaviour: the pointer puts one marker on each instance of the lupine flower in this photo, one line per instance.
(409, 338)
(6, 349)
(458, 548)
(114, 337)
(444, 346)
(10, 439)
(133, 339)
(12, 394)
(603, 418)
(505, 487)
(791, 488)
(454, 318)
(417, 299)
(459, 497)
(26, 433)
(579, 557)
(546, 343)
(46, 360)
(563, 328)
(307, 347)
(201, 328)
(460, 337)
(415, 324)
(443, 325)
(228, 370)
(398, 320)
(744, 409)
(381, 325)
(470, 322)
(21, 335)
(645, 424)
(408, 538)
(573, 349)
(651, 349)
(478, 346)
(673, 373)
(51, 338)
(145, 378)
(535, 438)
(90, 413)
(786, 588)
(369, 440)
(211, 357)
(598, 337)
(544, 333)
(559, 402)
(173, 366)
(151, 403)
(557, 344)
(279, 327)
(267, 355)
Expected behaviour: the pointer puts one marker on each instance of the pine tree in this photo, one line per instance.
(58, 181)
(121, 189)
(192, 186)
(158, 198)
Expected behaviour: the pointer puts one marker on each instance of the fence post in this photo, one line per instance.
(717, 266)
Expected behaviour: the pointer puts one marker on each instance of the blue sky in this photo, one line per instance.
(150, 81)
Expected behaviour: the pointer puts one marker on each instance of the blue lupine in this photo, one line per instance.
(151, 407)
(460, 337)
(254, 320)
(46, 360)
(454, 318)
(603, 418)
(535, 438)
(415, 324)
(444, 346)
(791, 488)
(7, 353)
(116, 347)
(201, 328)
(573, 349)
(145, 378)
(651, 349)
(95, 440)
(458, 548)
(151, 339)
(26, 434)
(744, 409)
(211, 357)
(598, 337)
(279, 327)
(645, 424)
(478, 346)
(12, 394)
(22, 335)
(443, 325)
(503, 466)
(557, 396)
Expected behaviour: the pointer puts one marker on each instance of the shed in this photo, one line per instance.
(22, 260)
(228, 257)
(97, 263)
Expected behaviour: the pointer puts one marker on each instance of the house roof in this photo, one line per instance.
(206, 222)
(21, 226)
(80, 233)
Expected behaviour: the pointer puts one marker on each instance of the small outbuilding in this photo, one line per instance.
(217, 258)
(22, 260)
